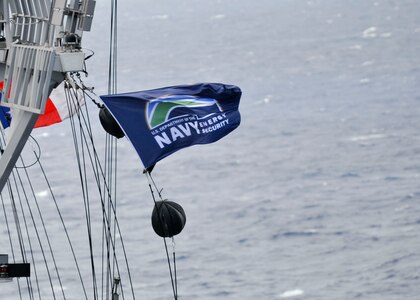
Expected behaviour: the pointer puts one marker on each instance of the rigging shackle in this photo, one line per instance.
(115, 295)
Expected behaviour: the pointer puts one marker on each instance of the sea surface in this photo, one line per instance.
(315, 196)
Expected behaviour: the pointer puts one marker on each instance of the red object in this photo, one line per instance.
(56, 109)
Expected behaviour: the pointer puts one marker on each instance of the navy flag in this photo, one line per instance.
(162, 121)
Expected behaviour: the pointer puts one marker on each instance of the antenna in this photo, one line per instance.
(40, 43)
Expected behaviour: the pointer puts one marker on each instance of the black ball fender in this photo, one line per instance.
(109, 124)
(168, 218)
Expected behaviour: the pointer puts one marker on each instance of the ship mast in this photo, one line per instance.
(40, 42)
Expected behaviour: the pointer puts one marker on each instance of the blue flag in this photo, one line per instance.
(5, 117)
(162, 121)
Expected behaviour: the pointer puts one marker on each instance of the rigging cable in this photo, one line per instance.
(33, 219)
(71, 96)
(25, 167)
(115, 219)
(112, 67)
(112, 142)
(172, 274)
(37, 156)
(64, 227)
(28, 282)
(11, 194)
(86, 137)
(10, 237)
(17, 224)
(83, 182)
(3, 139)
(38, 235)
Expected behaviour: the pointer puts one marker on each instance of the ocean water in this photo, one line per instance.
(315, 196)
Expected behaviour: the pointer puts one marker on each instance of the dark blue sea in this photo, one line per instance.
(315, 196)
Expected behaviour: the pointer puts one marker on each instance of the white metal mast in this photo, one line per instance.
(40, 41)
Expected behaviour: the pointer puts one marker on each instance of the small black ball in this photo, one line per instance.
(168, 218)
(109, 124)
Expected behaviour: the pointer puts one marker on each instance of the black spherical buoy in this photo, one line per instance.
(168, 218)
(109, 124)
